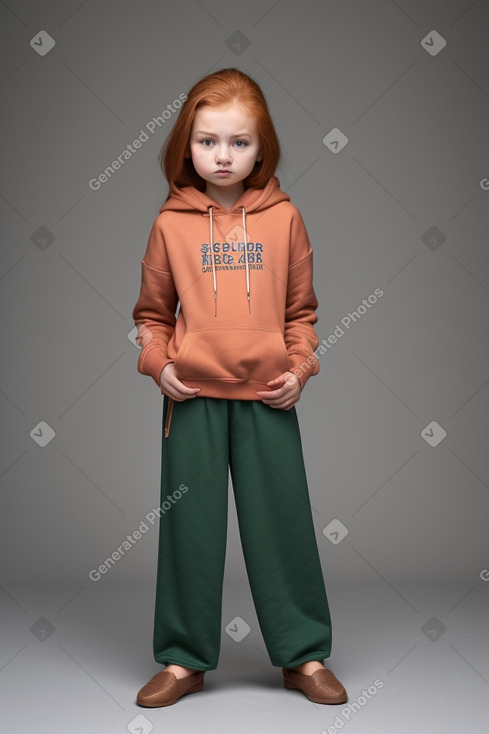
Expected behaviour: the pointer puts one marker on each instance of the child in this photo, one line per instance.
(233, 253)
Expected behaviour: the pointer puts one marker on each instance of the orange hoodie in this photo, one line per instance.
(247, 303)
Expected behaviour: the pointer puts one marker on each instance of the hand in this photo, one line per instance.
(172, 387)
(286, 396)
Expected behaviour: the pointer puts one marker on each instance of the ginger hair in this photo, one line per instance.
(219, 89)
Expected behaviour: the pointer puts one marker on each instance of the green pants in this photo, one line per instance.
(262, 448)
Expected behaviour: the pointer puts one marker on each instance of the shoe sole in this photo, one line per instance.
(195, 689)
(291, 686)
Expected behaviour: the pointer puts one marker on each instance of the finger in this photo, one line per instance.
(281, 406)
(275, 403)
(271, 394)
(285, 400)
(185, 396)
(175, 383)
(173, 391)
(180, 397)
(278, 380)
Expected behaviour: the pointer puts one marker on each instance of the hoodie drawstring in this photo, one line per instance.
(212, 258)
(214, 280)
(246, 261)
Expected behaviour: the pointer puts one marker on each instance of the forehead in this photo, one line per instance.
(224, 119)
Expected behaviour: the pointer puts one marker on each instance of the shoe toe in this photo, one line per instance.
(159, 688)
(322, 686)
(165, 688)
(327, 681)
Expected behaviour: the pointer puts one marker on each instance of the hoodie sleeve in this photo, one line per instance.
(300, 315)
(154, 312)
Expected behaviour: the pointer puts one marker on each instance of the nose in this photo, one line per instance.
(222, 154)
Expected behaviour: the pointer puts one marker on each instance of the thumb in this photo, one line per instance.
(281, 378)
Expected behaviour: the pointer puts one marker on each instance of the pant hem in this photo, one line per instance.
(184, 663)
(304, 659)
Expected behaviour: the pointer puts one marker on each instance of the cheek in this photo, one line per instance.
(251, 154)
(198, 157)
(250, 160)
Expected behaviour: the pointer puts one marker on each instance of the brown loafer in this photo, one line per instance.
(165, 688)
(322, 686)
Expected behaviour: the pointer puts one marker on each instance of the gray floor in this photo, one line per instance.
(82, 676)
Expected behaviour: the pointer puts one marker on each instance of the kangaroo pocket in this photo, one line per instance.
(236, 355)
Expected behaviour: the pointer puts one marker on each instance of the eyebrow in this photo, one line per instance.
(239, 135)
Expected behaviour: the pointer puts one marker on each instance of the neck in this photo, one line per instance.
(226, 197)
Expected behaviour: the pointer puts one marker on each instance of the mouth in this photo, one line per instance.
(222, 170)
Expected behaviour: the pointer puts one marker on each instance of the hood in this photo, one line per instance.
(189, 199)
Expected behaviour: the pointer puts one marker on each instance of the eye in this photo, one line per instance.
(206, 140)
(241, 143)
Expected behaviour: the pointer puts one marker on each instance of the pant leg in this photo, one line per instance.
(277, 533)
(192, 534)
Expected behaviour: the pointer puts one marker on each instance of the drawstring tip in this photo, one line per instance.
(168, 417)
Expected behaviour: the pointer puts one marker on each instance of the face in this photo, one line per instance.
(224, 144)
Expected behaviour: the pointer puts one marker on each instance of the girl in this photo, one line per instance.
(225, 320)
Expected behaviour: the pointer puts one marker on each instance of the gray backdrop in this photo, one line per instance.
(382, 111)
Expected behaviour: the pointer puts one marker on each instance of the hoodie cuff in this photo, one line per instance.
(304, 366)
(151, 362)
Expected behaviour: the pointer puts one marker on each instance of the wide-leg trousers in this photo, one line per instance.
(261, 446)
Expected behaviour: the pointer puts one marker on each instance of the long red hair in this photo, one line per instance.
(220, 88)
